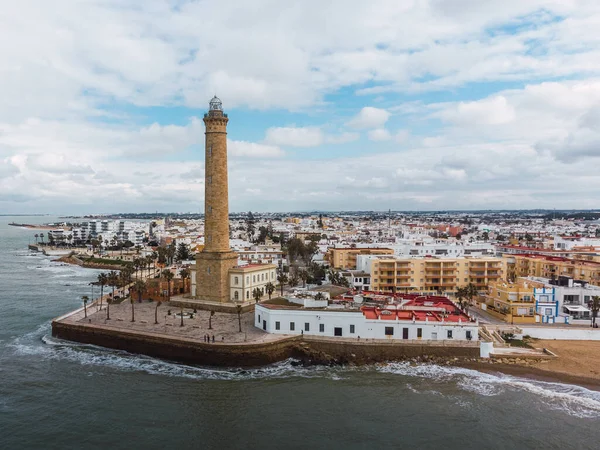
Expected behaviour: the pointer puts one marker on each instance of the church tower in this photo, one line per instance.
(215, 261)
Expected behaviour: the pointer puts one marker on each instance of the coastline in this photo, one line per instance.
(533, 373)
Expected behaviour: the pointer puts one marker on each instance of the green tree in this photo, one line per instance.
(257, 294)
(250, 227)
(184, 274)
(270, 288)
(461, 296)
(139, 286)
(303, 275)
(183, 252)
(282, 279)
(113, 281)
(102, 281)
(168, 275)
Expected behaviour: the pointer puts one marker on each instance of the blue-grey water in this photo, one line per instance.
(59, 395)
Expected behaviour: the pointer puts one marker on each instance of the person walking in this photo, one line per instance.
(213, 338)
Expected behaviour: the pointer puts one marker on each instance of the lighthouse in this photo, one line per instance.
(216, 259)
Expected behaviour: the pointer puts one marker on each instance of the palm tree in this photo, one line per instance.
(108, 302)
(140, 287)
(102, 281)
(184, 274)
(257, 294)
(470, 292)
(461, 295)
(85, 299)
(36, 237)
(149, 262)
(168, 275)
(303, 275)
(595, 307)
(270, 288)
(113, 281)
(282, 278)
(136, 265)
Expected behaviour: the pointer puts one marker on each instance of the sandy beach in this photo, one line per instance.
(578, 363)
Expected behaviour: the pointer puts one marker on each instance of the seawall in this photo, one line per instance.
(178, 348)
(312, 350)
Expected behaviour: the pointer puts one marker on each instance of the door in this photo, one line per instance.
(337, 331)
(404, 333)
(265, 325)
(434, 336)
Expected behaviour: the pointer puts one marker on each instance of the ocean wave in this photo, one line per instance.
(574, 400)
(41, 344)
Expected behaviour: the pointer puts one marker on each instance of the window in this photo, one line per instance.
(236, 280)
(209, 180)
(449, 334)
(292, 326)
(419, 332)
(259, 318)
(210, 209)
(322, 327)
(548, 311)
(469, 335)
(247, 279)
(208, 270)
(236, 295)
(306, 326)
(389, 331)
(247, 295)
(277, 325)
(210, 151)
(254, 278)
(262, 277)
(352, 329)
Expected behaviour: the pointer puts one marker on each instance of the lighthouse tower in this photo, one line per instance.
(215, 261)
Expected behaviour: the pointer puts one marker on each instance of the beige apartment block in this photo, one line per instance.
(345, 258)
(431, 274)
(587, 269)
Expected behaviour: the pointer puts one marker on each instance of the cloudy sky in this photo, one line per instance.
(333, 104)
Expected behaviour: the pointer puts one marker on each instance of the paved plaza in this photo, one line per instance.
(225, 327)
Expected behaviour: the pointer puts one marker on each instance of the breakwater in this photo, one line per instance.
(309, 350)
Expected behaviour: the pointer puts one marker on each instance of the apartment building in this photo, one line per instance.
(345, 258)
(429, 274)
(587, 270)
(511, 302)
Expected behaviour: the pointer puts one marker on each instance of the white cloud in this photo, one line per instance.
(491, 111)
(402, 136)
(370, 117)
(294, 137)
(379, 135)
(253, 150)
(342, 138)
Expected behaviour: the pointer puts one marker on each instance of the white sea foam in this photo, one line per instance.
(575, 400)
(94, 356)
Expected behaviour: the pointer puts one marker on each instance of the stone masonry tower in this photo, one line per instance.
(214, 262)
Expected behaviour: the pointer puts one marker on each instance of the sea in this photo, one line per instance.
(56, 395)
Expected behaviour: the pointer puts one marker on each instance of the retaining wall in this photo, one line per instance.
(567, 334)
(178, 349)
